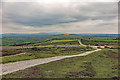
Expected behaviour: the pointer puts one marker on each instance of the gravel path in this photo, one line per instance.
(15, 66)
(95, 47)
(81, 43)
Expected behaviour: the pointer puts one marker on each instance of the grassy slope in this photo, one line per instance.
(97, 65)
(59, 42)
(30, 39)
(54, 41)
(33, 39)
(44, 52)
(50, 43)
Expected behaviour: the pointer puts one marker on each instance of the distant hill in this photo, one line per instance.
(15, 39)
(99, 35)
(32, 34)
(57, 33)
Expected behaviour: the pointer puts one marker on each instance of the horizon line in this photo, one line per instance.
(59, 33)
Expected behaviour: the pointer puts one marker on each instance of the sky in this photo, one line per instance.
(73, 16)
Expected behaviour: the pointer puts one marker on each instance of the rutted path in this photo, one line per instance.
(15, 66)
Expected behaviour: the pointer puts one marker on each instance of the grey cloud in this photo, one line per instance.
(35, 14)
(55, 16)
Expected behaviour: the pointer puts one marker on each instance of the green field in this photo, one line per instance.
(36, 39)
(100, 41)
(45, 50)
(42, 52)
(104, 40)
(51, 43)
(58, 42)
(19, 41)
(32, 39)
(102, 64)
(54, 41)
